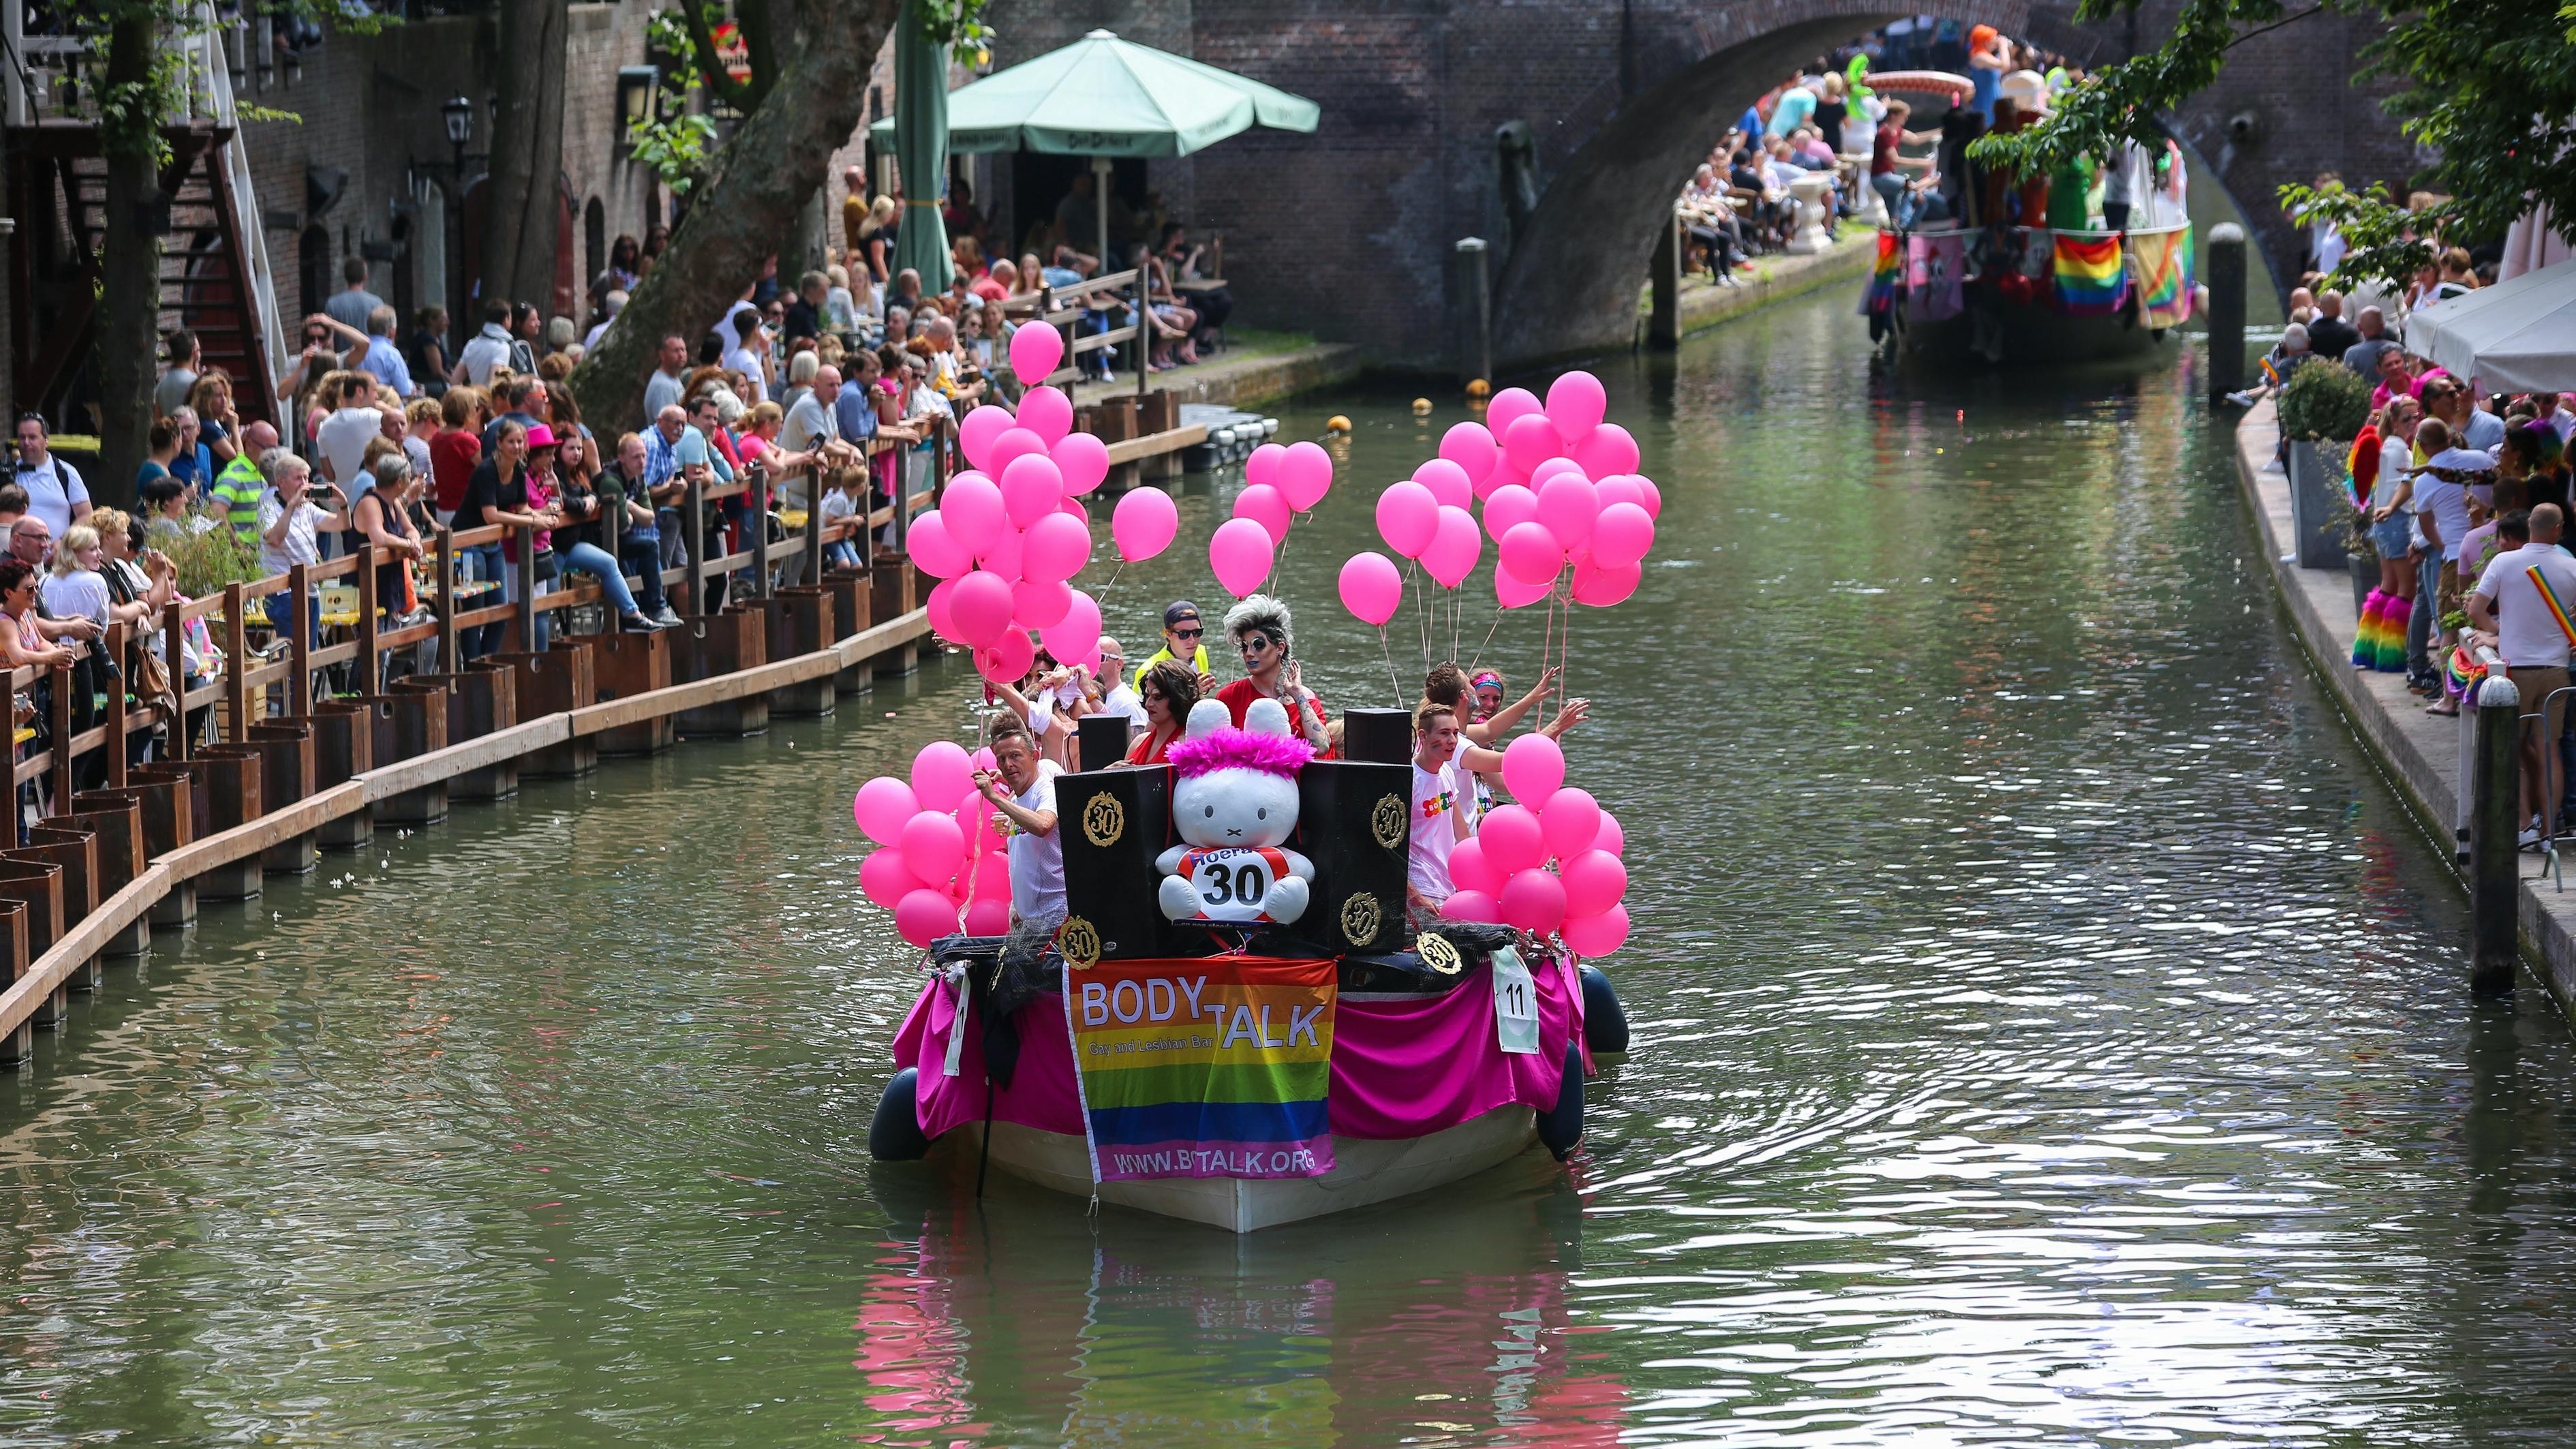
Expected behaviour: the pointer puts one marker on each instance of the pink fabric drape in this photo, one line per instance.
(1401, 1068)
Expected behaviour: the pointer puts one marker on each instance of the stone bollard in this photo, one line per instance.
(2495, 826)
(1476, 288)
(2225, 276)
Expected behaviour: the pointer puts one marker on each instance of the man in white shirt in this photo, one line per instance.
(813, 427)
(750, 345)
(1438, 821)
(1022, 788)
(1116, 697)
(55, 492)
(488, 349)
(2509, 601)
(343, 437)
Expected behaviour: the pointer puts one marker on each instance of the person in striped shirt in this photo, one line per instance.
(238, 487)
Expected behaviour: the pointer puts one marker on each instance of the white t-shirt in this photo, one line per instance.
(80, 594)
(2526, 634)
(342, 440)
(1123, 701)
(53, 486)
(1037, 861)
(301, 546)
(1435, 832)
(2448, 504)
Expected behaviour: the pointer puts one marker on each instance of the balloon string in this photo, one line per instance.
(1102, 598)
(1489, 638)
(1394, 685)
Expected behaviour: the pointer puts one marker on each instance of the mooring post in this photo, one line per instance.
(1664, 322)
(693, 540)
(1476, 357)
(2495, 825)
(2226, 277)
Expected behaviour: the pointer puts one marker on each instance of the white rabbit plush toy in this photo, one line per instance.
(1234, 804)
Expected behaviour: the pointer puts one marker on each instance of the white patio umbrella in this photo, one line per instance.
(2517, 336)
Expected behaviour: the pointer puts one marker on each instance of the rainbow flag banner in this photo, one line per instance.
(1211, 1067)
(2164, 276)
(2091, 278)
(1886, 276)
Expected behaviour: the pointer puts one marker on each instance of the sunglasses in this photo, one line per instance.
(1187, 633)
(1253, 644)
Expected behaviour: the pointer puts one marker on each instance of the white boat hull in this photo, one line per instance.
(1364, 1171)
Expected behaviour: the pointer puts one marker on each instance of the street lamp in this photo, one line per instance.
(459, 114)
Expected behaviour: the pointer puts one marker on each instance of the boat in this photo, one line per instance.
(2023, 296)
(1396, 1061)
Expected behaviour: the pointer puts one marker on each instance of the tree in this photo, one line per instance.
(521, 195)
(2483, 85)
(747, 189)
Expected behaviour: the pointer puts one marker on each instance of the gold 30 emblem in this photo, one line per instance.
(1438, 954)
(1078, 943)
(1104, 820)
(1386, 822)
(1361, 916)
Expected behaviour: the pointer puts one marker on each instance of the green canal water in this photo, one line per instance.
(2046, 1034)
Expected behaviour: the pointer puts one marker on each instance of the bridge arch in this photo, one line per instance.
(1571, 281)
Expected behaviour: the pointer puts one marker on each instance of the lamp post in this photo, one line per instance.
(457, 115)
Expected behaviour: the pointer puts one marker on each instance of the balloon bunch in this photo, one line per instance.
(943, 863)
(1503, 873)
(1279, 483)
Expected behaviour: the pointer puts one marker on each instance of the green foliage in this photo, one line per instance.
(679, 137)
(957, 23)
(207, 561)
(2483, 86)
(2324, 400)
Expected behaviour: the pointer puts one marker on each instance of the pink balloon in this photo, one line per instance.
(1054, 549)
(1533, 767)
(1241, 553)
(1621, 535)
(1454, 549)
(1654, 500)
(1576, 403)
(1620, 488)
(1611, 839)
(1045, 412)
(1003, 559)
(1408, 518)
(1533, 900)
(1305, 476)
(1082, 459)
(1528, 442)
(1511, 838)
(971, 509)
(1606, 450)
(1036, 349)
(1030, 487)
(883, 879)
(1447, 481)
(1549, 468)
(1571, 822)
(1598, 935)
(941, 623)
(1007, 659)
(1261, 466)
(1013, 445)
(974, 816)
(931, 845)
(1035, 605)
(1510, 406)
(989, 918)
(1529, 554)
(881, 807)
(1470, 871)
(1143, 523)
(1599, 588)
(1510, 506)
(926, 915)
(1567, 505)
(1075, 638)
(1469, 905)
(992, 873)
(1504, 476)
(941, 775)
(1511, 593)
(1594, 881)
(938, 554)
(1370, 587)
(1073, 509)
(981, 608)
(1263, 504)
(977, 431)
(1471, 446)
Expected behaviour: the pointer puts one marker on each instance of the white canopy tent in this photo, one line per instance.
(2517, 336)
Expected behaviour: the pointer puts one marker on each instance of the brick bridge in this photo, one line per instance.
(1348, 233)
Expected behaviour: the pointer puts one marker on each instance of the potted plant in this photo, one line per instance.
(2352, 531)
(2323, 406)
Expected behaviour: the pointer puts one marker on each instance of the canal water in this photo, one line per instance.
(2046, 1033)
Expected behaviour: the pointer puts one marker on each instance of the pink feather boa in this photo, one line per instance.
(1229, 748)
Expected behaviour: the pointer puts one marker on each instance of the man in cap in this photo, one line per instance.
(1182, 633)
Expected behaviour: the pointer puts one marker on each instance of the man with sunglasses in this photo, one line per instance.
(1258, 627)
(1182, 632)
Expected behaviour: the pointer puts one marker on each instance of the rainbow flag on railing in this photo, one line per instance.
(1213, 1067)
(2091, 278)
(1887, 277)
(2164, 276)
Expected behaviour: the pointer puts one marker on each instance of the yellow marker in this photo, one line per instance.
(1478, 388)
(1422, 407)
(1337, 424)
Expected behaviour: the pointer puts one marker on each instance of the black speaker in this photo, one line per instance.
(1100, 740)
(1382, 736)
(1354, 821)
(1113, 823)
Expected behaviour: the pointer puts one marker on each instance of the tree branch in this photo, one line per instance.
(711, 66)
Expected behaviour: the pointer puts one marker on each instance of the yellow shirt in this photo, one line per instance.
(1198, 660)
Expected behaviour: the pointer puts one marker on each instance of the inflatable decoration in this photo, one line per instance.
(1234, 805)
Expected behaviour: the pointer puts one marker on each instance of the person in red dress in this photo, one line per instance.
(1258, 627)
(1170, 688)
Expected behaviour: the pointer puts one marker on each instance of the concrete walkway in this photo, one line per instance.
(2419, 752)
(1248, 382)
(1773, 278)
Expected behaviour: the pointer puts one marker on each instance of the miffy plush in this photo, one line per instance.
(1234, 804)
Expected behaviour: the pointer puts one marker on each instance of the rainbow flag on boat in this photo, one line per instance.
(1887, 277)
(2091, 277)
(2164, 276)
(1213, 1067)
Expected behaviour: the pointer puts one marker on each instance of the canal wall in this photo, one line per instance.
(2420, 753)
(1777, 279)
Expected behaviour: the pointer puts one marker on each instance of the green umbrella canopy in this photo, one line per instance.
(1102, 96)
(921, 151)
